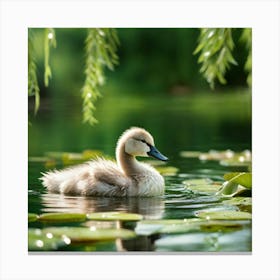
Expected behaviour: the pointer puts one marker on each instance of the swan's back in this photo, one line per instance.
(98, 177)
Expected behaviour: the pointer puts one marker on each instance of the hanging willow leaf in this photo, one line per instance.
(215, 48)
(50, 41)
(101, 46)
(33, 88)
(246, 38)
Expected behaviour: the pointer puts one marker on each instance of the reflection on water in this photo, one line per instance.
(178, 124)
(149, 207)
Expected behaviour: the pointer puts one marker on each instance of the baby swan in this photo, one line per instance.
(101, 177)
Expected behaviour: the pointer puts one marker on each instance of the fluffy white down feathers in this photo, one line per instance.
(100, 177)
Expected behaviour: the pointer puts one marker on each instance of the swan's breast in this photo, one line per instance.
(149, 182)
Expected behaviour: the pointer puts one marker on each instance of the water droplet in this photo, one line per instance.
(92, 228)
(39, 243)
(206, 54)
(49, 235)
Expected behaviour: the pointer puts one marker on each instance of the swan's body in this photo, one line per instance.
(100, 177)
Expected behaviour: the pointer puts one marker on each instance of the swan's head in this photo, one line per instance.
(139, 142)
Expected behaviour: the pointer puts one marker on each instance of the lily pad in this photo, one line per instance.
(40, 241)
(92, 234)
(237, 241)
(89, 154)
(238, 161)
(114, 216)
(200, 181)
(211, 188)
(149, 227)
(239, 201)
(202, 185)
(167, 170)
(224, 215)
(32, 217)
(243, 178)
(190, 154)
(216, 155)
(62, 217)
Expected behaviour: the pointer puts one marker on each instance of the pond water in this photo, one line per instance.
(171, 223)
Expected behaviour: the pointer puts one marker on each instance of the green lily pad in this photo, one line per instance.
(202, 185)
(211, 188)
(236, 241)
(32, 217)
(239, 201)
(190, 154)
(224, 215)
(62, 217)
(243, 178)
(236, 161)
(89, 154)
(40, 241)
(167, 170)
(54, 155)
(216, 155)
(114, 216)
(149, 227)
(37, 159)
(200, 181)
(92, 234)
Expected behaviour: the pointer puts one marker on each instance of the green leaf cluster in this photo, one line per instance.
(50, 41)
(101, 46)
(246, 38)
(215, 49)
(33, 88)
(101, 52)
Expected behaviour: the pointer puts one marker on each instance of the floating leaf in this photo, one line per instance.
(216, 155)
(32, 217)
(235, 161)
(202, 181)
(202, 185)
(41, 241)
(72, 158)
(92, 234)
(224, 215)
(239, 201)
(237, 241)
(244, 179)
(55, 155)
(148, 227)
(167, 170)
(114, 216)
(62, 217)
(211, 188)
(37, 159)
(229, 188)
(190, 154)
(89, 154)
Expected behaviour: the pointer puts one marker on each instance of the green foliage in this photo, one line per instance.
(50, 41)
(101, 45)
(215, 48)
(246, 38)
(33, 88)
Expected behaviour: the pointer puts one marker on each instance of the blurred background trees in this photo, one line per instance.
(152, 61)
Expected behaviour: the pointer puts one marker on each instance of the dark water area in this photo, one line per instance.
(193, 123)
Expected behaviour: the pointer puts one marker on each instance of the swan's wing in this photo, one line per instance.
(97, 178)
(108, 172)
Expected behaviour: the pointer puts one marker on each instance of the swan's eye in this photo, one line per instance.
(143, 141)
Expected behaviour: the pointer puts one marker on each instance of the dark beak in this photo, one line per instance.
(156, 154)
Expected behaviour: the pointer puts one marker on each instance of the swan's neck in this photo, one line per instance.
(128, 163)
